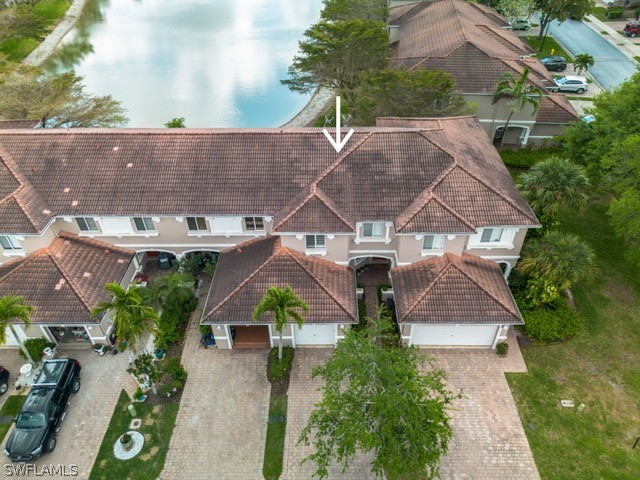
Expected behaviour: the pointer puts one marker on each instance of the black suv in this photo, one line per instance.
(43, 411)
(4, 380)
(555, 64)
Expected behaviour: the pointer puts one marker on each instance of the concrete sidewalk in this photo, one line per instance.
(623, 43)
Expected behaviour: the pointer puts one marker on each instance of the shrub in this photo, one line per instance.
(527, 157)
(502, 349)
(175, 369)
(554, 323)
(278, 369)
(637, 13)
(171, 387)
(138, 393)
(615, 12)
(381, 287)
(35, 347)
(205, 329)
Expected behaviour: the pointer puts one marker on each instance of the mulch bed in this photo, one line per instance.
(278, 387)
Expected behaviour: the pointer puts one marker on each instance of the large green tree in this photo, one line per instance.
(133, 317)
(554, 183)
(285, 306)
(560, 10)
(335, 54)
(56, 100)
(555, 262)
(349, 9)
(170, 289)
(14, 309)
(405, 93)
(380, 398)
(518, 92)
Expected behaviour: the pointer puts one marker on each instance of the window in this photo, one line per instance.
(372, 229)
(144, 224)
(10, 243)
(197, 224)
(87, 224)
(315, 242)
(491, 235)
(433, 242)
(254, 224)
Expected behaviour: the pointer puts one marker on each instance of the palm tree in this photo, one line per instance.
(12, 307)
(558, 260)
(133, 317)
(282, 302)
(554, 183)
(174, 288)
(518, 93)
(584, 61)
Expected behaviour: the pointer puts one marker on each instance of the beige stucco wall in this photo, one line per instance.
(337, 248)
(29, 245)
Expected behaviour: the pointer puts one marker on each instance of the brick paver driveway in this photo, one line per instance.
(89, 411)
(11, 360)
(489, 441)
(222, 423)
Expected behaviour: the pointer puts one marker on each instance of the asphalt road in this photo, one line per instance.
(611, 67)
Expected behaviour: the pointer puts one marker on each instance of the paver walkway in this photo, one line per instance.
(89, 411)
(12, 361)
(222, 422)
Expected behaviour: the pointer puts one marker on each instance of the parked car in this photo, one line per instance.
(4, 380)
(164, 260)
(632, 29)
(570, 83)
(555, 63)
(43, 411)
(520, 24)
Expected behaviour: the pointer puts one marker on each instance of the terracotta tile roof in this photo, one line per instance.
(556, 109)
(466, 40)
(244, 273)
(65, 280)
(453, 289)
(294, 175)
(7, 124)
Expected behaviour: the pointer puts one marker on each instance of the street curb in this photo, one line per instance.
(598, 26)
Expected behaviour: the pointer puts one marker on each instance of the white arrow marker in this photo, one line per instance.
(337, 144)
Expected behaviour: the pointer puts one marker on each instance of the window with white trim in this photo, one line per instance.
(9, 243)
(254, 224)
(491, 235)
(373, 229)
(144, 224)
(87, 224)
(315, 242)
(433, 242)
(197, 224)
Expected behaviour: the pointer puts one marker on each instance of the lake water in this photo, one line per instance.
(217, 63)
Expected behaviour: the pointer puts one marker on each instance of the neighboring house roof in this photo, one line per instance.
(65, 280)
(465, 39)
(294, 175)
(556, 109)
(245, 273)
(453, 289)
(7, 124)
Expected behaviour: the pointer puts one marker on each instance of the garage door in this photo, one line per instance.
(311, 334)
(461, 335)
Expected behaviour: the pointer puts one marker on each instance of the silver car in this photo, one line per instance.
(570, 83)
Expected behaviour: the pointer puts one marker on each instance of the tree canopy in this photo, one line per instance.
(381, 398)
(560, 10)
(13, 308)
(349, 9)
(56, 100)
(404, 93)
(334, 54)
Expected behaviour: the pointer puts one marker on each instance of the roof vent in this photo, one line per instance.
(46, 211)
(74, 203)
(66, 190)
(129, 165)
(60, 283)
(115, 149)
(86, 274)
(121, 260)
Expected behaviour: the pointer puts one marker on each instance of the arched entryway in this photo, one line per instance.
(372, 275)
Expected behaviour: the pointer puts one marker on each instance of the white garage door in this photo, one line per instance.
(311, 334)
(461, 335)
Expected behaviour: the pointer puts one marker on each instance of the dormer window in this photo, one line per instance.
(10, 243)
(433, 242)
(373, 229)
(315, 243)
(254, 224)
(491, 235)
(87, 224)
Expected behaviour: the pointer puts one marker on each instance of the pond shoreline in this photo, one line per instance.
(49, 44)
(318, 102)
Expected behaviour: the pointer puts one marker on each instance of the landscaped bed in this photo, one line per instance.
(599, 368)
(157, 425)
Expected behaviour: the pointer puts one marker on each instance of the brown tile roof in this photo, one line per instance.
(7, 124)
(294, 175)
(65, 280)
(466, 40)
(556, 109)
(244, 273)
(453, 289)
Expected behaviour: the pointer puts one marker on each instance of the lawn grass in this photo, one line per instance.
(274, 445)
(600, 13)
(600, 368)
(52, 9)
(549, 45)
(11, 408)
(157, 426)
(17, 49)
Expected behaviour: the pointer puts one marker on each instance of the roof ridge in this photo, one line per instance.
(66, 276)
(23, 262)
(306, 200)
(556, 100)
(92, 242)
(274, 254)
(23, 187)
(444, 205)
(341, 159)
(412, 307)
(316, 280)
(329, 203)
(500, 194)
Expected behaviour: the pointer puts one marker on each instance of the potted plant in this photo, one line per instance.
(139, 395)
(159, 353)
(126, 441)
